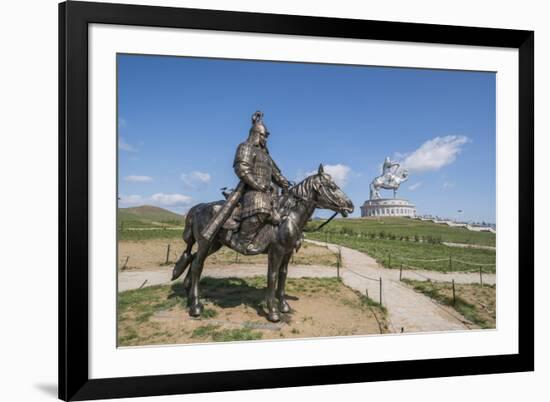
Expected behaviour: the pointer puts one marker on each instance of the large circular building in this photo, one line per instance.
(388, 207)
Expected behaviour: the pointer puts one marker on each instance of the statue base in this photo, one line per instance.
(388, 207)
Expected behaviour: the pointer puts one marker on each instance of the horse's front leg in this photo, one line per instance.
(274, 262)
(284, 307)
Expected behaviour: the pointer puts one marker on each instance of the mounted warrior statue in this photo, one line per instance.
(255, 168)
(391, 179)
(254, 218)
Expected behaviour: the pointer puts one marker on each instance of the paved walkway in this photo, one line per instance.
(464, 245)
(154, 276)
(408, 310)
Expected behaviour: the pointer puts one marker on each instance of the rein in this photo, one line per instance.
(323, 224)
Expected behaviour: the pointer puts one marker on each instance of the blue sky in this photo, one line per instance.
(181, 119)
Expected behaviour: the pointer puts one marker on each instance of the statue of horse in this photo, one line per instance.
(296, 207)
(388, 182)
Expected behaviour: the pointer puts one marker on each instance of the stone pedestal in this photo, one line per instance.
(388, 207)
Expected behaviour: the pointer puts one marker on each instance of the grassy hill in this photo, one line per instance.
(148, 216)
(409, 229)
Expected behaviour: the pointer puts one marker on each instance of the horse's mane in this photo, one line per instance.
(297, 193)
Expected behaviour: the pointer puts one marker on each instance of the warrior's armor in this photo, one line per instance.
(254, 166)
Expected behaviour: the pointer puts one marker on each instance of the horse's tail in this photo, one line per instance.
(188, 229)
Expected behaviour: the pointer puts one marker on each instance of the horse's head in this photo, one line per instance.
(327, 195)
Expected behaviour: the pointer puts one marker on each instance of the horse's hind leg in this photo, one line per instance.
(195, 306)
(186, 258)
(213, 248)
(281, 295)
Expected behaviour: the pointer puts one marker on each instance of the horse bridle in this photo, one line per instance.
(330, 198)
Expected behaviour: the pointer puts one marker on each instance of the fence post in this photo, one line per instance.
(326, 239)
(454, 294)
(167, 254)
(126, 263)
(338, 264)
(400, 272)
(367, 292)
(450, 264)
(380, 290)
(236, 257)
(480, 277)
(389, 260)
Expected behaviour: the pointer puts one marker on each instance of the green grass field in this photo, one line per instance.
(405, 227)
(148, 217)
(407, 242)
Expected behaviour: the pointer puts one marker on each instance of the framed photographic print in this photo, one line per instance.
(258, 200)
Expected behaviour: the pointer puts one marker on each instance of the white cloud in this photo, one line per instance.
(448, 184)
(138, 179)
(415, 186)
(124, 146)
(434, 153)
(339, 173)
(131, 200)
(171, 200)
(196, 180)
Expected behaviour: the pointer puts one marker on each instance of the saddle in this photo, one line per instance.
(255, 235)
(233, 223)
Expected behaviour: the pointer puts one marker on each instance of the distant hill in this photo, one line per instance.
(149, 215)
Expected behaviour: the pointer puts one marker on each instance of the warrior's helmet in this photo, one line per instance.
(258, 127)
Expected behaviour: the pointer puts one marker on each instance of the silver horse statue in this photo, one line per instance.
(388, 181)
(295, 207)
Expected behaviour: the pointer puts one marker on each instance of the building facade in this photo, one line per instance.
(388, 207)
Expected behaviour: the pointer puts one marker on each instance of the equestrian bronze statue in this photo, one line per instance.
(256, 219)
(390, 179)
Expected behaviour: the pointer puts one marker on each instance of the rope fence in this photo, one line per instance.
(475, 263)
(379, 280)
(450, 261)
(414, 270)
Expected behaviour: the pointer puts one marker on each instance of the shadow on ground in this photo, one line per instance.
(231, 292)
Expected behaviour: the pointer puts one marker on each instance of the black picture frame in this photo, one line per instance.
(74, 18)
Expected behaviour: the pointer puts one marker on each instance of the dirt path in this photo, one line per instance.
(464, 245)
(141, 278)
(408, 310)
